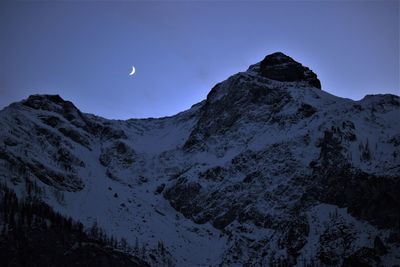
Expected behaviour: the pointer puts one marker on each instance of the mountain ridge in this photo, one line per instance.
(270, 172)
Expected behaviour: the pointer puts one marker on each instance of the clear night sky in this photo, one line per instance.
(84, 50)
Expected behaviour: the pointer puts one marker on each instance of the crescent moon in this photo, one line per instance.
(133, 71)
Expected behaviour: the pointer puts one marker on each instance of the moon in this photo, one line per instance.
(133, 71)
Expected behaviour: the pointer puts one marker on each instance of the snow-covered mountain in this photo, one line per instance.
(269, 170)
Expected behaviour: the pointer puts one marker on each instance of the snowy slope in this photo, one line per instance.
(268, 170)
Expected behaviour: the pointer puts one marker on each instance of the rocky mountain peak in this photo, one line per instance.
(280, 67)
(48, 102)
(54, 103)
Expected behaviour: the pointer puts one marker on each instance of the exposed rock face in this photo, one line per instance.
(282, 68)
(269, 170)
(223, 109)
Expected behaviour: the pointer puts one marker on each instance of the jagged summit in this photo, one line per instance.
(280, 67)
(48, 102)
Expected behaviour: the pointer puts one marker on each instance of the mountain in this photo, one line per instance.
(268, 170)
(34, 235)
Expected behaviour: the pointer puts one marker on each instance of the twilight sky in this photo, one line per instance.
(84, 50)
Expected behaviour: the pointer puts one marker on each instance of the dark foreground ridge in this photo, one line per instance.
(33, 234)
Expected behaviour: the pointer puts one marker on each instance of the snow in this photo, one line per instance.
(129, 207)
(323, 216)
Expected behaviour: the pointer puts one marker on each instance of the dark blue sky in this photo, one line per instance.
(84, 50)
